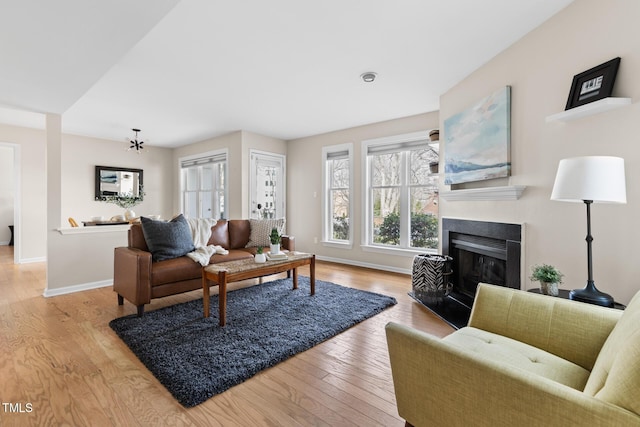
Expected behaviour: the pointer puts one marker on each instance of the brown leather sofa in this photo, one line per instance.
(137, 279)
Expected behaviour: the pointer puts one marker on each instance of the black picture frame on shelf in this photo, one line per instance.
(593, 84)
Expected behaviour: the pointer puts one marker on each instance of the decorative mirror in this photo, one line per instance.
(119, 182)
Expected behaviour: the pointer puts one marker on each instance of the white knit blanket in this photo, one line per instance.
(201, 232)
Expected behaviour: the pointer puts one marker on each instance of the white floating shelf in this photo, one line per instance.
(512, 192)
(92, 230)
(595, 107)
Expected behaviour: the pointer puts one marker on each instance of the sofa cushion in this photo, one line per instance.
(167, 240)
(520, 355)
(615, 377)
(220, 234)
(175, 270)
(239, 232)
(261, 229)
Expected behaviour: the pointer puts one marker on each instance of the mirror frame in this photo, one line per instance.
(99, 196)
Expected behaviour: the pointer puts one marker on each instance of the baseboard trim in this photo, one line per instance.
(364, 264)
(31, 260)
(76, 288)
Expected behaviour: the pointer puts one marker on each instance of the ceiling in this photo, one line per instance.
(187, 70)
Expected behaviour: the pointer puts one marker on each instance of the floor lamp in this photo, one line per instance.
(592, 179)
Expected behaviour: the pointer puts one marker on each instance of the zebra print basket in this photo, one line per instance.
(430, 278)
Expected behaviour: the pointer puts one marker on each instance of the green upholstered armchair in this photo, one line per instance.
(524, 360)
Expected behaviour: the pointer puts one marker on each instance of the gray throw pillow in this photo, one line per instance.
(167, 240)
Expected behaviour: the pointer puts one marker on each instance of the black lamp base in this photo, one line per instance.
(591, 295)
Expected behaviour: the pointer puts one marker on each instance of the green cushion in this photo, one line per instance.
(167, 240)
(510, 352)
(615, 377)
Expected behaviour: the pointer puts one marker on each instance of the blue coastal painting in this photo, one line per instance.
(477, 140)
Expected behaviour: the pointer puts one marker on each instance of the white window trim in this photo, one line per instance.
(325, 206)
(366, 225)
(213, 153)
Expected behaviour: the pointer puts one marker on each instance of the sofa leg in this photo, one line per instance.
(140, 310)
(120, 299)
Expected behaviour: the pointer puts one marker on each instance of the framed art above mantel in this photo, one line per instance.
(477, 140)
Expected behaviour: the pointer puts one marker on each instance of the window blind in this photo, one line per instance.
(216, 158)
(397, 147)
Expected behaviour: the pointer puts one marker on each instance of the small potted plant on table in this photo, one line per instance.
(260, 256)
(549, 278)
(275, 238)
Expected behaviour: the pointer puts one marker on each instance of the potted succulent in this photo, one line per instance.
(549, 278)
(260, 256)
(275, 238)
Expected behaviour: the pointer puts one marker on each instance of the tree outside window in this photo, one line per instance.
(337, 202)
(403, 196)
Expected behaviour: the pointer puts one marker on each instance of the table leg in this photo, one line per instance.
(312, 271)
(222, 296)
(205, 294)
(295, 278)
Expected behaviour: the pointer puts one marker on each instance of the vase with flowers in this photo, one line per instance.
(126, 201)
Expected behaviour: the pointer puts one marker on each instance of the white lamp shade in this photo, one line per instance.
(597, 178)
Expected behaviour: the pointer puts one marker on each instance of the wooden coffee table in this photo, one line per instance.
(233, 271)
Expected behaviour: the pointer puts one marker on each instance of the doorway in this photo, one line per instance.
(10, 197)
(267, 185)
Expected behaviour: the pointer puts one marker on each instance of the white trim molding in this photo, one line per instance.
(512, 192)
(76, 288)
(364, 264)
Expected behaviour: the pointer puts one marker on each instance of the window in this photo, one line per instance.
(401, 193)
(203, 185)
(337, 201)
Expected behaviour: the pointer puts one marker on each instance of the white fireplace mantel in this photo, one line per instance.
(510, 192)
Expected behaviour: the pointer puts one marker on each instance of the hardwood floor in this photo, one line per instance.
(61, 364)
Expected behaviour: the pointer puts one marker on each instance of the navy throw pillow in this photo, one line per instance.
(167, 240)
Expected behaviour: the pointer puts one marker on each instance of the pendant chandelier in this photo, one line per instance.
(135, 144)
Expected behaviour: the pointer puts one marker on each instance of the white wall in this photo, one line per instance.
(304, 189)
(81, 154)
(540, 68)
(80, 261)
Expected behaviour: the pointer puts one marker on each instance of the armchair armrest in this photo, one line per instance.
(440, 384)
(289, 243)
(132, 275)
(569, 329)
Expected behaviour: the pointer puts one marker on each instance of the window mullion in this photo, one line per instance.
(405, 221)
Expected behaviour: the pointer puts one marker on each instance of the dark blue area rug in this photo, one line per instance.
(195, 358)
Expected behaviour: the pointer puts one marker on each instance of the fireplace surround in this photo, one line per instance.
(488, 252)
(482, 252)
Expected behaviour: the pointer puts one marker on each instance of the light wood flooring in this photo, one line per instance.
(61, 364)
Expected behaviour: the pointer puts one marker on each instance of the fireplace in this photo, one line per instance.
(482, 252)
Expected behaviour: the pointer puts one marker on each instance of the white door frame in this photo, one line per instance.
(281, 203)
